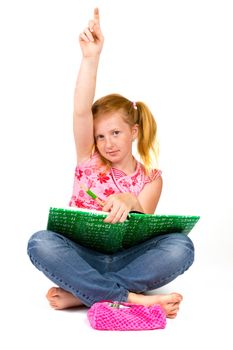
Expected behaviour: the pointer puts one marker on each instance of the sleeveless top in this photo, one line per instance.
(103, 181)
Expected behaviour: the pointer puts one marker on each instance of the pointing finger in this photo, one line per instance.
(96, 15)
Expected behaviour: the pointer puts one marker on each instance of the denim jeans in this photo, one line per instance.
(93, 276)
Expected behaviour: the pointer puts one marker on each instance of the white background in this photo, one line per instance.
(174, 55)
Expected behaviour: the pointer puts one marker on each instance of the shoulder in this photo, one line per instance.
(150, 195)
(153, 175)
(150, 175)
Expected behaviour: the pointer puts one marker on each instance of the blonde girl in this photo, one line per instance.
(104, 132)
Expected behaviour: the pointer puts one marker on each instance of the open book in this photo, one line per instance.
(87, 228)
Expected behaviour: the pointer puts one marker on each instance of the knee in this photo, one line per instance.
(36, 240)
(183, 249)
(38, 244)
(179, 249)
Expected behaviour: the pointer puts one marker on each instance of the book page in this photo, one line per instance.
(93, 211)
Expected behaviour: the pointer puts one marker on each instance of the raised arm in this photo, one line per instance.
(91, 43)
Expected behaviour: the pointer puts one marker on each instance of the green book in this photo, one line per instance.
(87, 228)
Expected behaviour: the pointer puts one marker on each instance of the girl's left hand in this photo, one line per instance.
(119, 206)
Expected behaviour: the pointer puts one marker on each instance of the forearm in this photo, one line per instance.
(137, 205)
(85, 85)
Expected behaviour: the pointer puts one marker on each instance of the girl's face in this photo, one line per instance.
(114, 137)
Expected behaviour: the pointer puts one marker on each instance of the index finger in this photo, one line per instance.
(96, 15)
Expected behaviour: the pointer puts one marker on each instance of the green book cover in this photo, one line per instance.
(87, 228)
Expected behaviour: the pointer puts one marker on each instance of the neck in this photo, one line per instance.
(127, 166)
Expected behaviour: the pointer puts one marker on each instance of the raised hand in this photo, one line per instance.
(91, 39)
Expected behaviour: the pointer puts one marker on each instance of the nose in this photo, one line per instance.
(108, 143)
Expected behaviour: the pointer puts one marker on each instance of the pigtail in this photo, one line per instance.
(147, 145)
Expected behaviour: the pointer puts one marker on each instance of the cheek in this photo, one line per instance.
(128, 140)
(99, 146)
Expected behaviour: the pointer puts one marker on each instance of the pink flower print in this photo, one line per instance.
(103, 178)
(79, 203)
(87, 172)
(134, 180)
(125, 184)
(108, 191)
(81, 193)
(78, 174)
(90, 183)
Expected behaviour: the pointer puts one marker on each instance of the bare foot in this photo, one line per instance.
(60, 299)
(169, 302)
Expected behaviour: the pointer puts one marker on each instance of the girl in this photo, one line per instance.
(104, 133)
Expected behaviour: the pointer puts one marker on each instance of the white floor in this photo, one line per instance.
(204, 320)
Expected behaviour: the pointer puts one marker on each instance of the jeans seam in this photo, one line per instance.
(163, 282)
(89, 300)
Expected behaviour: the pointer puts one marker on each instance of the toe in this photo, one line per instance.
(52, 292)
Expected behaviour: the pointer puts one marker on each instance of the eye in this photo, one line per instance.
(116, 132)
(99, 137)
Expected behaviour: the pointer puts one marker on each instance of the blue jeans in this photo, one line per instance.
(92, 276)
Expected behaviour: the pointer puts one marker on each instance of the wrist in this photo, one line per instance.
(91, 58)
(136, 205)
(90, 62)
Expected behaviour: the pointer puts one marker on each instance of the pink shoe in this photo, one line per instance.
(120, 316)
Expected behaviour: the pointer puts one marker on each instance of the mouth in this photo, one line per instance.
(113, 153)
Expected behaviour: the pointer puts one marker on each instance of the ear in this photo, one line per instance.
(134, 131)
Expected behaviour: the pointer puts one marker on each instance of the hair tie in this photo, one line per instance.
(135, 105)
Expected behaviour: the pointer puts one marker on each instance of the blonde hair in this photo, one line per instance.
(133, 113)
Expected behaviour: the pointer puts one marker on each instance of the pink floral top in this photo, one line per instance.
(93, 175)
